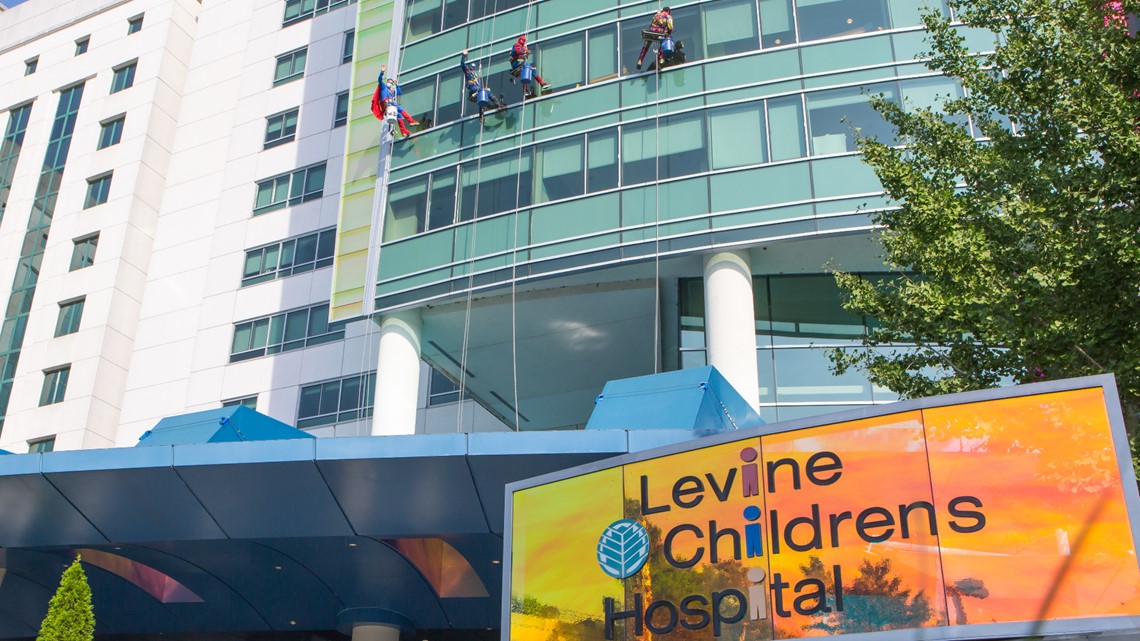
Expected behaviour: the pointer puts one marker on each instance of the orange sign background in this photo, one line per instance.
(998, 511)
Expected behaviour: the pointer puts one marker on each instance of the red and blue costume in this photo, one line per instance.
(385, 95)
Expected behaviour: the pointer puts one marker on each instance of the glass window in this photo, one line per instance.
(688, 32)
(298, 10)
(281, 128)
(496, 184)
(563, 60)
(932, 93)
(835, 116)
(424, 18)
(683, 146)
(809, 310)
(909, 14)
(98, 189)
(30, 65)
(603, 54)
(41, 446)
(407, 209)
(679, 142)
(123, 77)
(82, 45)
(282, 333)
(340, 111)
(441, 389)
(834, 18)
(730, 27)
(111, 132)
(736, 135)
(83, 253)
(294, 188)
(347, 45)
(290, 66)
(55, 385)
(559, 172)
(804, 375)
(134, 25)
(344, 399)
(290, 256)
(777, 24)
(602, 160)
(454, 13)
(451, 96)
(786, 128)
(418, 98)
(70, 314)
(245, 401)
(441, 208)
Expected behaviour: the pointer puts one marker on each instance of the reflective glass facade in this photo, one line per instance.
(751, 138)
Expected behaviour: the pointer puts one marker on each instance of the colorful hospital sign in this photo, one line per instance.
(1010, 511)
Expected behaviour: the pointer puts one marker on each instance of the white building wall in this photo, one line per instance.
(100, 353)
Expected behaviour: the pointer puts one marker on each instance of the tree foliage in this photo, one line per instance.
(1017, 252)
(70, 616)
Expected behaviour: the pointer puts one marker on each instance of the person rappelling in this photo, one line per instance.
(384, 105)
(522, 69)
(661, 31)
(476, 91)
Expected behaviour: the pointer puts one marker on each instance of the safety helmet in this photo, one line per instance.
(665, 9)
(471, 66)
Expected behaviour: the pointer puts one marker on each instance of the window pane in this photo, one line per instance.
(560, 169)
(424, 18)
(330, 397)
(737, 135)
(242, 334)
(563, 61)
(681, 143)
(809, 309)
(804, 375)
(340, 111)
(834, 117)
(454, 13)
(295, 325)
(310, 404)
(326, 245)
(451, 96)
(260, 335)
(503, 184)
(319, 320)
(418, 97)
(442, 212)
(314, 180)
(786, 128)
(776, 22)
(833, 18)
(730, 27)
(603, 53)
(306, 251)
(602, 159)
(407, 206)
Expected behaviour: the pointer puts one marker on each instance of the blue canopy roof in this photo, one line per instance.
(221, 425)
(698, 399)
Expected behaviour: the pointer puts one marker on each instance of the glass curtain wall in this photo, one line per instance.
(799, 320)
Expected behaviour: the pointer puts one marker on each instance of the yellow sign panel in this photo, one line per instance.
(1009, 513)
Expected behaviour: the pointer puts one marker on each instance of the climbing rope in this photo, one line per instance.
(474, 220)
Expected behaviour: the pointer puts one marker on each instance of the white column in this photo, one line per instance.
(730, 322)
(375, 632)
(397, 374)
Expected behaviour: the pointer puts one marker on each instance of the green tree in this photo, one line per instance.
(874, 601)
(1016, 250)
(70, 616)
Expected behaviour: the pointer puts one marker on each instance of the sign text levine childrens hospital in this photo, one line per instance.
(1009, 511)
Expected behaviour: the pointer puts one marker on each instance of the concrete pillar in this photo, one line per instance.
(375, 632)
(730, 322)
(397, 374)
